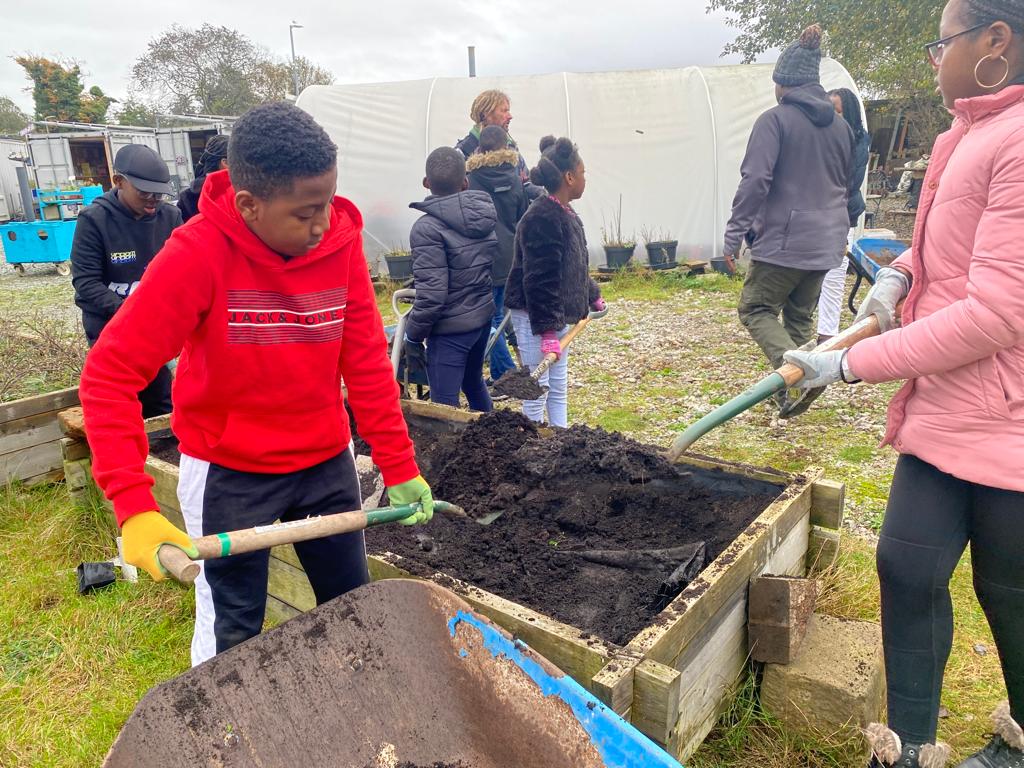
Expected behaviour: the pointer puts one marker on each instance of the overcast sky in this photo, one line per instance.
(378, 40)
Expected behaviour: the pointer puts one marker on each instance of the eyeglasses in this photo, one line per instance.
(937, 49)
(158, 196)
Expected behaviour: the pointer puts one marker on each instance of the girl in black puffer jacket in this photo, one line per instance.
(549, 288)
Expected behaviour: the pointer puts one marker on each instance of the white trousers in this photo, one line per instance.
(556, 378)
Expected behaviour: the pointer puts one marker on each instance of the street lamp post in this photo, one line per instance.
(295, 70)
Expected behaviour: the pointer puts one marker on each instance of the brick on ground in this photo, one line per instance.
(837, 681)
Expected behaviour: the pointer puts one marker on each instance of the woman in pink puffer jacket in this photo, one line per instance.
(958, 421)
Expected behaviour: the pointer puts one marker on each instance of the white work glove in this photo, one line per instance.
(820, 368)
(890, 287)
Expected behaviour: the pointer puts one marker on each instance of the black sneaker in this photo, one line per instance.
(996, 754)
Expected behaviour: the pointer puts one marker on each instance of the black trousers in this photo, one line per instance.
(231, 592)
(930, 520)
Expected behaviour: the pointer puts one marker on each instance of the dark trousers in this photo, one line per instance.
(231, 592)
(770, 290)
(156, 396)
(930, 519)
(501, 359)
(455, 361)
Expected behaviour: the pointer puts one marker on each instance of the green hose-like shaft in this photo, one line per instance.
(761, 391)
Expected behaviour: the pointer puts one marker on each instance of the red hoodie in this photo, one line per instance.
(265, 344)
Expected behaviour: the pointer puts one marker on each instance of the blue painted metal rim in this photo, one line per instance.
(619, 744)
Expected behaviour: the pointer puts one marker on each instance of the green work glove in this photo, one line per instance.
(143, 534)
(411, 492)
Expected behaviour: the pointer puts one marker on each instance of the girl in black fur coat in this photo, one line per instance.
(549, 286)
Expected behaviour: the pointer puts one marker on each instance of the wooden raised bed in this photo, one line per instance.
(673, 678)
(30, 437)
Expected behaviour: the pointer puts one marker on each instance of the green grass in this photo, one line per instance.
(73, 667)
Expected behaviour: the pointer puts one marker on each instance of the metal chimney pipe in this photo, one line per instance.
(472, 61)
(29, 210)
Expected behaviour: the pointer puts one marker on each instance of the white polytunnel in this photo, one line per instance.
(668, 141)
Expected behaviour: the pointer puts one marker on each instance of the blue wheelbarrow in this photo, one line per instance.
(396, 674)
(867, 256)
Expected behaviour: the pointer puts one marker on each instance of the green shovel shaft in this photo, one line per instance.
(760, 392)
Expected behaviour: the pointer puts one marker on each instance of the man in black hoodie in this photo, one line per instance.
(453, 247)
(115, 239)
(791, 206)
(493, 169)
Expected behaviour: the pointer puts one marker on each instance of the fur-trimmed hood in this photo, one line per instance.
(492, 159)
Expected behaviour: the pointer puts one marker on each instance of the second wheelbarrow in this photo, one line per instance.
(396, 674)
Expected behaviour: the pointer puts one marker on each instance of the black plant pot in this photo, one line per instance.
(661, 254)
(399, 267)
(618, 256)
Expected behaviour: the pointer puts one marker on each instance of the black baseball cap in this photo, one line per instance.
(143, 168)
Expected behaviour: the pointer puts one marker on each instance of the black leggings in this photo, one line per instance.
(929, 521)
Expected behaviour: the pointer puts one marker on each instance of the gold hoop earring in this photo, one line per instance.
(1005, 74)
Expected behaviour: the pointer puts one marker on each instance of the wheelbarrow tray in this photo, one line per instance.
(397, 674)
(873, 253)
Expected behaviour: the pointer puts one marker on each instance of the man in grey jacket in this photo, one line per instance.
(791, 206)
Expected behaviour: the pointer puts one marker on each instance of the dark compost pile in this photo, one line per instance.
(563, 491)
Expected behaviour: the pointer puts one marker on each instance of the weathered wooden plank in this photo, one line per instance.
(790, 559)
(286, 553)
(29, 406)
(748, 554)
(28, 431)
(828, 503)
(614, 683)
(656, 694)
(735, 468)
(37, 434)
(32, 462)
(78, 474)
(156, 423)
(72, 449)
(823, 549)
(438, 412)
(279, 612)
(708, 670)
(290, 585)
(53, 476)
(165, 488)
(561, 644)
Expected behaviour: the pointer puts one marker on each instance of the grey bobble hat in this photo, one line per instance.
(800, 63)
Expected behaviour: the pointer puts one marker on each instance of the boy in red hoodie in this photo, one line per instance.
(268, 298)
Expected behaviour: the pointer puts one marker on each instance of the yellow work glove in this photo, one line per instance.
(143, 534)
(411, 492)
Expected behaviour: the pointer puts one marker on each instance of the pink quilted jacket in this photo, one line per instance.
(961, 347)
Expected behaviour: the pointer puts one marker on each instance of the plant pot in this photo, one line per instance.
(399, 267)
(661, 254)
(618, 256)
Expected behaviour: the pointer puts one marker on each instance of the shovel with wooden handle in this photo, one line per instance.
(185, 570)
(782, 378)
(523, 385)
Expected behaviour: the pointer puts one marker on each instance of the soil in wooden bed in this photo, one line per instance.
(561, 491)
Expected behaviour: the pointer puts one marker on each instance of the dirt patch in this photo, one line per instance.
(563, 492)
